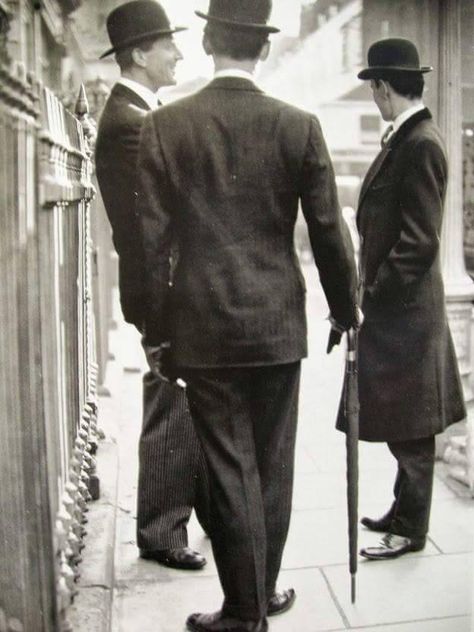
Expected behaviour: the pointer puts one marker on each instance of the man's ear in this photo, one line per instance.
(206, 44)
(386, 89)
(265, 51)
(139, 57)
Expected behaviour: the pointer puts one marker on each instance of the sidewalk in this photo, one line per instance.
(430, 591)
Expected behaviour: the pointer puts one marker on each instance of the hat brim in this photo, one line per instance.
(263, 28)
(141, 38)
(369, 73)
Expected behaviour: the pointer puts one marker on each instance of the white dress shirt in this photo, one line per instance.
(404, 116)
(150, 98)
(234, 72)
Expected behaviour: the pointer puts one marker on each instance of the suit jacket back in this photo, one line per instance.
(222, 173)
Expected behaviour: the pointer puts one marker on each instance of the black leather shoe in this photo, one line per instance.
(392, 546)
(182, 558)
(217, 622)
(382, 525)
(280, 602)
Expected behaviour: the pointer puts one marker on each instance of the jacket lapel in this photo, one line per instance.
(394, 141)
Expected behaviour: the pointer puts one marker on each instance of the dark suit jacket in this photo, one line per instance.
(222, 172)
(409, 384)
(116, 158)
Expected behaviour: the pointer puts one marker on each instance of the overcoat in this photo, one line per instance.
(116, 154)
(222, 173)
(409, 385)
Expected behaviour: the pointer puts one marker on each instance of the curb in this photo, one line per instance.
(92, 607)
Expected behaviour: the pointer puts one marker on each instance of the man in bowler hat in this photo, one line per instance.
(222, 173)
(172, 475)
(409, 384)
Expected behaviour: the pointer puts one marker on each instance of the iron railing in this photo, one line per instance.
(48, 369)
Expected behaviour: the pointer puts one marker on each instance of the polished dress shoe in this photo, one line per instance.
(217, 622)
(382, 525)
(183, 558)
(392, 546)
(280, 602)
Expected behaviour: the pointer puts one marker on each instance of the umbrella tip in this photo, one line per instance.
(353, 588)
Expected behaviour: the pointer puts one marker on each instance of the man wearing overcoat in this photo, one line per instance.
(222, 173)
(409, 384)
(172, 475)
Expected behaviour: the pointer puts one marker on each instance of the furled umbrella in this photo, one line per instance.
(351, 410)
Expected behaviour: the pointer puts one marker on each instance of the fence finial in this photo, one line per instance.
(82, 112)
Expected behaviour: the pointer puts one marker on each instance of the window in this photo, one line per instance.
(370, 128)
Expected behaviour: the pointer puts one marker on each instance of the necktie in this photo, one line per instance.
(386, 135)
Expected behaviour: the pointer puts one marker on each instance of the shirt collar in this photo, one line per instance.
(404, 116)
(150, 98)
(234, 72)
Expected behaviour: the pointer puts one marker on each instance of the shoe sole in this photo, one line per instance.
(182, 567)
(284, 608)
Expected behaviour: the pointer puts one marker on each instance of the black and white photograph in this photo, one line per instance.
(237, 315)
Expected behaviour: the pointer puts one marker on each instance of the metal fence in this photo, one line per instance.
(48, 369)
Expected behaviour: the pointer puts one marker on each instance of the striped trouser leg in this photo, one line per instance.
(170, 468)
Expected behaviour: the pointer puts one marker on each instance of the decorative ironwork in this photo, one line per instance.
(48, 367)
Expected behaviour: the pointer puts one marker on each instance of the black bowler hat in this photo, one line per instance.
(136, 21)
(392, 54)
(242, 14)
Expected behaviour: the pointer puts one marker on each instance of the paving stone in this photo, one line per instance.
(412, 588)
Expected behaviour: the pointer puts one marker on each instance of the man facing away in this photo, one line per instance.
(409, 384)
(172, 476)
(222, 173)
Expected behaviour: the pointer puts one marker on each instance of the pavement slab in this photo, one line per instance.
(428, 591)
(412, 588)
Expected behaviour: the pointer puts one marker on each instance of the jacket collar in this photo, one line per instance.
(232, 83)
(147, 95)
(408, 125)
(121, 91)
(393, 142)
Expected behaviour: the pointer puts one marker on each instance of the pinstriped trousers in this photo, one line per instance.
(172, 477)
(246, 419)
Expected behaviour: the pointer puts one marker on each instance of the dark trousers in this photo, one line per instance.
(246, 421)
(172, 476)
(413, 487)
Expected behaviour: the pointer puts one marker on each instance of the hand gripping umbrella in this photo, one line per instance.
(351, 410)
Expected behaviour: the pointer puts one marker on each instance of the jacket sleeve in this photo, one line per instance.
(155, 221)
(116, 174)
(421, 207)
(328, 233)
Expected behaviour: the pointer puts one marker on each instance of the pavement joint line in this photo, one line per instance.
(339, 607)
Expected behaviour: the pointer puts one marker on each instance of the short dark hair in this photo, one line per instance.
(124, 57)
(406, 84)
(237, 43)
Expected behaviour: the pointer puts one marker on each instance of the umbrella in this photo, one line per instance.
(351, 410)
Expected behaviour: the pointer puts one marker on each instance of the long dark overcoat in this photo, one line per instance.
(222, 172)
(409, 384)
(116, 157)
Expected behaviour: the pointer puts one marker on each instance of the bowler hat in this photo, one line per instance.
(136, 21)
(393, 53)
(242, 14)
